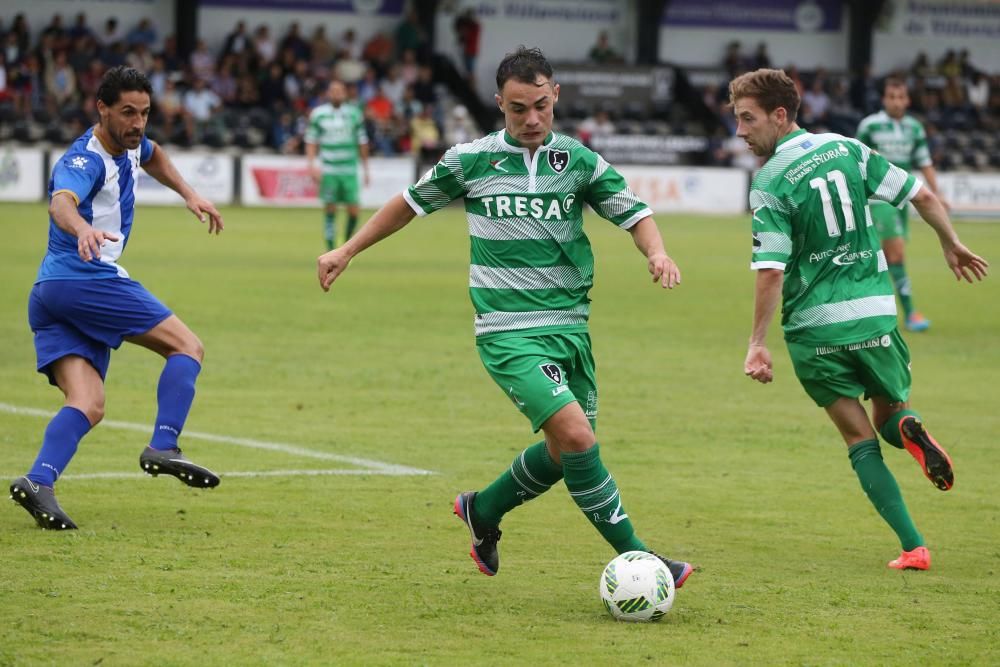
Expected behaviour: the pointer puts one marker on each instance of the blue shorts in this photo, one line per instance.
(89, 318)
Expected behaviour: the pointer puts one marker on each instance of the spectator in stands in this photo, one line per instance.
(921, 67)
(224, 83)
(978, 92)
(953, 94)
(202, 61)
(349, 69)
(409, 69)
(80, 27)
(601, 52)
(143, 33)
(815, 104)
(238, 41)
(320, 47)
(368, 86)
(201, 104)
(459, 128)
(349, 46)
(263, 44)
(158, 76)
(60, 83)
(12, 52)
(171, 58)
(949, 65)
(732, 60)
(140, 58)
(410, 107)
(293, 41)
(19, 28)
(247, 92)
(425, 136)
(57, 33)
(90, 79)
(761, 59)
(378, 51)
(469, 32)
(84, 50)
(272, 89)
(111, 34)
(177, 123)
(410, 35)
(393, 86)
(5, 94)
(597, 125)
(864, 92)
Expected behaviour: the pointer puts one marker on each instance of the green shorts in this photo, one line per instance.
(890, 221)
(543, 374)
(877, 367)
(339, 189)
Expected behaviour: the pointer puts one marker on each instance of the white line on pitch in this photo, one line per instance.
(373, 467)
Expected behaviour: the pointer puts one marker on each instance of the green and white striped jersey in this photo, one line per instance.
(531, 264)
(338, 131)
(811, 219)
(902, 142)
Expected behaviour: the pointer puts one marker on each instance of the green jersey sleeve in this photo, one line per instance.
(771, 230)
(885, 181)
(442, 184)
(611, 197)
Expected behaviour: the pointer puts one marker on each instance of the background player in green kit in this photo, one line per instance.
(816, 250)
(337, 132)
(900, 139)
(531, 269)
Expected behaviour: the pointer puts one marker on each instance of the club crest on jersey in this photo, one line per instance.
(552, 372)
(558, 160)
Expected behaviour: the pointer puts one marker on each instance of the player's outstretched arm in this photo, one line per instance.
(162, 169)
(393, 216)
(962, 261)
(649, 242)
(66, 215)
(767, 297)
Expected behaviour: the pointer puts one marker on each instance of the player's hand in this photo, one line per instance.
(205, 210)
(316, 173)
(664, 271)
(368, 178)
(89, 242)
(758, 364)
(330, 265)
(964, 263)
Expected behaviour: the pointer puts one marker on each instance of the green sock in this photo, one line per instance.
(329, 230)
(531, 474)
(890, 429)
(883, 492)
(902, 284)
(352, 222)
(594, 491)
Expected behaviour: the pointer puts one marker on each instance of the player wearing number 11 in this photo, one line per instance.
(816, 250)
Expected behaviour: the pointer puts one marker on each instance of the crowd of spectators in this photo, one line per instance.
(257, 89)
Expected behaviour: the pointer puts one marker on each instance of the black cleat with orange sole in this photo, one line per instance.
(933, 460)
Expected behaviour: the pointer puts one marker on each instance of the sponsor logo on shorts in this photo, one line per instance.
(559, 390)
(884, 341)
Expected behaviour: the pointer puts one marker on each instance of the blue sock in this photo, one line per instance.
(174, 396)
(62, 435)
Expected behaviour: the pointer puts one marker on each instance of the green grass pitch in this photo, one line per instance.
(749, 482)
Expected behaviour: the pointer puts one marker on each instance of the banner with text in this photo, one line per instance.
(793, 15)
(689, 189)
(281, 180)
(971, 195)
(22, 174)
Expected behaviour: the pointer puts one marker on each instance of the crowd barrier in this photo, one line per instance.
(279, 180)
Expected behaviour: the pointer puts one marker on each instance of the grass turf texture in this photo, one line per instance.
(749, 482)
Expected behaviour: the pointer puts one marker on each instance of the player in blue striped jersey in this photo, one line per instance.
(84, 304)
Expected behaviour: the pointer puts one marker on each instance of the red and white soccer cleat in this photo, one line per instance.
(918, 559)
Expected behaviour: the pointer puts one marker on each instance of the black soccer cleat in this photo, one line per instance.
(40, 502)
(172, 462)
(678, 569)
(484, 538)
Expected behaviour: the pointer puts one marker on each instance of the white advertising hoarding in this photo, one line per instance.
(208, 173)
(689, 189)
(971, 195)
(282, 180)
(22, 174)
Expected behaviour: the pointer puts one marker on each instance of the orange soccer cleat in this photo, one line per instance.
(933, 460)
(917, 559)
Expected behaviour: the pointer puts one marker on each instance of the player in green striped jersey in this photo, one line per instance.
(524, 190)
(336, 132)
(815, 249)
(900, 139)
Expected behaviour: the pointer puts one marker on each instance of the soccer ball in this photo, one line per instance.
(637, 586)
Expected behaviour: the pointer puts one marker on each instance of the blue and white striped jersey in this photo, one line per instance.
(103, 186)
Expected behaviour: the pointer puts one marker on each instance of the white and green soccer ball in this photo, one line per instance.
(637, 586)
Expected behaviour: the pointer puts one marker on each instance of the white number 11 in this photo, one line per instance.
(837, 178)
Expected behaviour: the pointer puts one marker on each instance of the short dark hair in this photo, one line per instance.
(893, 81)
(523, 65)
(122, 79)
(772, 88)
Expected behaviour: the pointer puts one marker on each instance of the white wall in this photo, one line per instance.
(128, 13)
(562, 29)
(935, 26)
